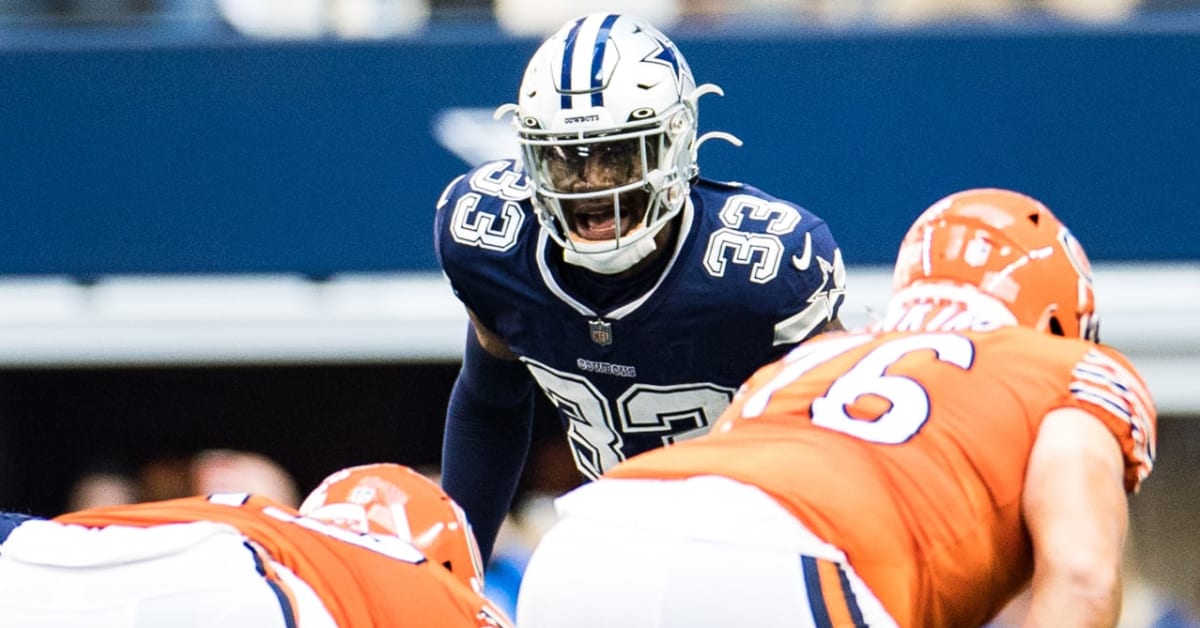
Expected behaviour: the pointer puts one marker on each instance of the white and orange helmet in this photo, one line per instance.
(393, 499)
(1010, 247)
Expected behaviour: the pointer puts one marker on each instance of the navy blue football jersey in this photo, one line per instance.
(749, 277)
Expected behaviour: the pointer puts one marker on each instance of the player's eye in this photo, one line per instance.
(620, 151)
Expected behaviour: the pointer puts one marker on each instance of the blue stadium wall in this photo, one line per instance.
(143, 153)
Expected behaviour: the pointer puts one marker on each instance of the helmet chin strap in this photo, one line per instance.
(600, 257)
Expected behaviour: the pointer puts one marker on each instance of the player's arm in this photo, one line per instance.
(1075, 509)
(489, 424)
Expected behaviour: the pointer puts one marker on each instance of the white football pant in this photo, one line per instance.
(188, 575)
(696, 553)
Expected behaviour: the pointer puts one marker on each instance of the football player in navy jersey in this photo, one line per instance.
(637, 295)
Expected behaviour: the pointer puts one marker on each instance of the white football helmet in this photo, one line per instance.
(606, 118)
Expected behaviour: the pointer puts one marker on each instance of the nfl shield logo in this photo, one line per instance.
(601, 332)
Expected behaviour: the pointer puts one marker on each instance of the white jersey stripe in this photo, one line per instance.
(1106, 384)
(1104, 398)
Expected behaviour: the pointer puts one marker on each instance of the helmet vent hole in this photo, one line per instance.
(641, 113)
(1056, 327)
(1034, 218)
(447, 565)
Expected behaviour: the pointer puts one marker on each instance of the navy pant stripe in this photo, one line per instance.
(816, 599)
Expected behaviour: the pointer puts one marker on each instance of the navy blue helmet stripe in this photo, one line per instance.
(598, 60)
(568, 53)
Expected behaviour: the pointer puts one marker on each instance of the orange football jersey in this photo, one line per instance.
(363, 580)
(908, 451)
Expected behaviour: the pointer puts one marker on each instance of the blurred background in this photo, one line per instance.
(215, 255)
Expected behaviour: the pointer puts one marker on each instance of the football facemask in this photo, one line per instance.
(606, 118)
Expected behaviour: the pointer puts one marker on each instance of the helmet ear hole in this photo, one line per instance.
(1056, 327)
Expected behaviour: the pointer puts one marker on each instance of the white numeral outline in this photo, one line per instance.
(763, 252)
(491, 231)
(909, 407)
(675, 412)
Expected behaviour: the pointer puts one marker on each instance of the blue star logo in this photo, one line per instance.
(665, 54)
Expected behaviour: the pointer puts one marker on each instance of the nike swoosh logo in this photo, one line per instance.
(801, 262)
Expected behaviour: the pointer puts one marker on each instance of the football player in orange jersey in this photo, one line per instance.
(373, 545)
(920, 472)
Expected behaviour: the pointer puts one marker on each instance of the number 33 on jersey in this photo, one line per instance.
(749, 277)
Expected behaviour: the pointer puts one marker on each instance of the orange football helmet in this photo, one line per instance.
(1011, 247)
(395, 500)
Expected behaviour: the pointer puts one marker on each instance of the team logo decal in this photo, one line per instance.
(665, 54)
(601, 332)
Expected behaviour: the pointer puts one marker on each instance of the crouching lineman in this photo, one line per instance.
(374, 545)
(918, 473)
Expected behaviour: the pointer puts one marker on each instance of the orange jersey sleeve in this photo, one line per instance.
(1104, 383)
(908, 451)
(363, 580)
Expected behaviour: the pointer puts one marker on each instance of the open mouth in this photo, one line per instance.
(598, 224)
(597, 220)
